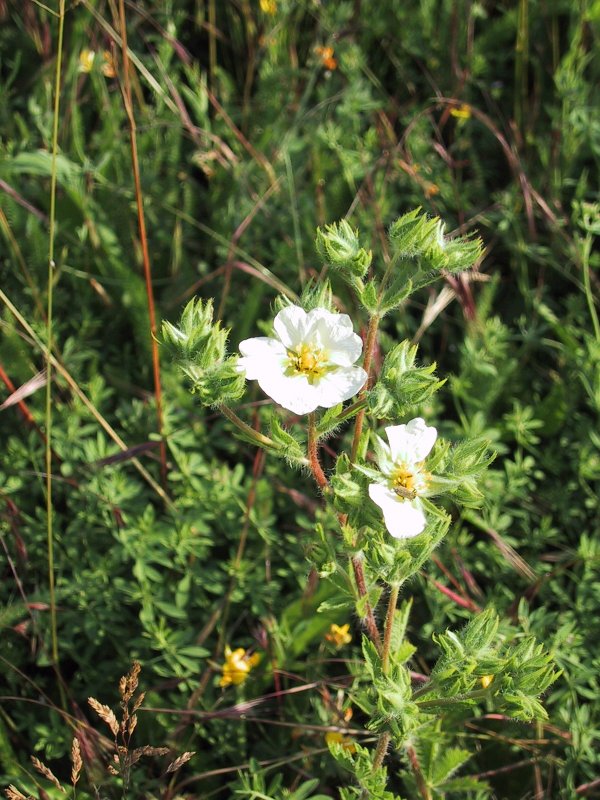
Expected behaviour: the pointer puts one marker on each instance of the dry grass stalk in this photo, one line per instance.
(14, 794)
(47, 773)
(132, 724)
(129, 683)
(76, 760)
(179, 762)
(147, 750)
(105, 714)
(138, 702)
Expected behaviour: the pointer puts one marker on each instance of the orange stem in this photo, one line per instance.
(128, 103)
(369, 351)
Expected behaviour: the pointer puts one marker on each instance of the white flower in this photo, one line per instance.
(310, 361)
(402, 464)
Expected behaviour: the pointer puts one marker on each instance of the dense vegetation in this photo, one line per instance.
(256, 122)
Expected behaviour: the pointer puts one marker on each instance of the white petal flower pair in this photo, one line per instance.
(309, 362)
(401, 463)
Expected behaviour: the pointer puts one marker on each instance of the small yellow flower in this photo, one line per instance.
(108, 66)
(326, 56)
(268, 7)
(339, 738)
(86, 60)
(237, 666)
(339, 635)
(486, 680)
(462, 112)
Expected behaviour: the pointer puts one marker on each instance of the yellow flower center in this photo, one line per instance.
(307, 359)
(407, 483)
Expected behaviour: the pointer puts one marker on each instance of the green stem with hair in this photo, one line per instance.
(258, 438)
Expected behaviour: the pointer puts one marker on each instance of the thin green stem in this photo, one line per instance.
(585, 266)
(257, 437)
(389, 625)
(295, 216)
(49, 339)
(313, 453)
(369, 350)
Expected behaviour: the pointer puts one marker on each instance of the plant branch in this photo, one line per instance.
(369, 351)
(256, 436)
(380, 753)
(128, 103)
(369, 619)
(389, 625)
(416, 768)
(313, 453)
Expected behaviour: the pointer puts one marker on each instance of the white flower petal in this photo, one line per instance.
(403, 518)
(290, 325)
(340, 384)
(259, 354)
(335, 335)
(293, 392)
(318, 315)
(412, 442)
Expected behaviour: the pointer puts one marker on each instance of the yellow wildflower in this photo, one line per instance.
(486, 680)
(237, 666)
(462, 112)
(339, 635)
(86, 60)
(108, 66)
(326, 56)
(268, 7)
(339, 738)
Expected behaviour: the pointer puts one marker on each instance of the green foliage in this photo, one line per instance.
(249, 140)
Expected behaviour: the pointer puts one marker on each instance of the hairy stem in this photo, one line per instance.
(369, 350)
(371, 625)
(257, 437)
(382, 746)
(416, 768)
(313, 453)
(389, 624)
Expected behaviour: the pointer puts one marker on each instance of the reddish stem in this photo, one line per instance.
(369, 350)
(128, 104)
(361, 585)
(313, 454)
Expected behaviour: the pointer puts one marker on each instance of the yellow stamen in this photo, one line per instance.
(486, 680)
(307, 359)
(407, 481)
